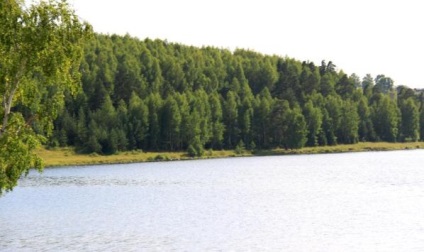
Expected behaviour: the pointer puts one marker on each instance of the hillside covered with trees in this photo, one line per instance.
(155, 96)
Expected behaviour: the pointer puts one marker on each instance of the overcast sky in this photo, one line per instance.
(361, 36)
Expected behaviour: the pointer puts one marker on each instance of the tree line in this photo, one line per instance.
(159, 96)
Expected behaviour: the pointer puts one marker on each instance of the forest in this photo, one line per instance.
(153, 95)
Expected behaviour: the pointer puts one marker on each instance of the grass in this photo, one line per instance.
(68, 157)
(359, 147)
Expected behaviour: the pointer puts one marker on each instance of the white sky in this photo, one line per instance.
(362, 36)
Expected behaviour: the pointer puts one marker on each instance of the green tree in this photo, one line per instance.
(154, 103)
(201, 104)
(81, 128)
(185, 128)
(288, 85)
(367, 85)
(422, 124)
(40, 52)
(345, 86)
(279, 122)
(383, 84)
(296, 129)
(313, 117)
(385, 117)
(245, 119)
(218, 127)
(366, 129)
(171, 123)
(138, 125)
(231, 119)
(349, 123)
(93, 145)
(410, 123)
(310, 78)
(331, 118)
(327, 84)
(261, 119)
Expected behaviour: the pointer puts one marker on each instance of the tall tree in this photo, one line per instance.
(367, 85)
(171, 123)
(383, 84)
(41, 47)
(385, 117)
(296, 129)
(410, 123)
(331, 119)
(231, 120)
(279, 122)
(216, 120)
(345, 87)
(138, 122)
(366, 129)
(261, 119)
(349, 123)
(154, 103)
(313, 117)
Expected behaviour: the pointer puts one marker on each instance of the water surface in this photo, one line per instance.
(334, 202)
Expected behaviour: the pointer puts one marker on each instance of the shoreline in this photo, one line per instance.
(67, 156)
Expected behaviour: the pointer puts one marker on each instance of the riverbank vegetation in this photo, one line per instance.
(157, 96)
(68, 156)
(172, 101)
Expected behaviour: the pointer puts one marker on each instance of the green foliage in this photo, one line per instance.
(240, 148)
(410, 122)
(313, 117)
(218, 127)
(279, 122)
(40, 52)
(195, 149)
(383, 84)
(231, 119)
(161, 157)
(160, 96)
(297, 131)
(349, 123)
(261, 118)
(422, 124)
(365, 128)
(16, 152)
(386, 117)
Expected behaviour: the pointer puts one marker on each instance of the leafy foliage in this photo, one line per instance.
(161, 96)
(40, 52)
(178, 97)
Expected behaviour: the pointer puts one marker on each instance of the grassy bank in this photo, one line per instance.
(67, 156)
(363, 146)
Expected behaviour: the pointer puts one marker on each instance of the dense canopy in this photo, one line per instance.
(155, 95)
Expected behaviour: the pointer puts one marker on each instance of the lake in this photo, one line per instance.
(371, 201)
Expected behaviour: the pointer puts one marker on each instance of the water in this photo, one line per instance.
(335, 202)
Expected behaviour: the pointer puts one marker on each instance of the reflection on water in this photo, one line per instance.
(37, 181)
(334, 202)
